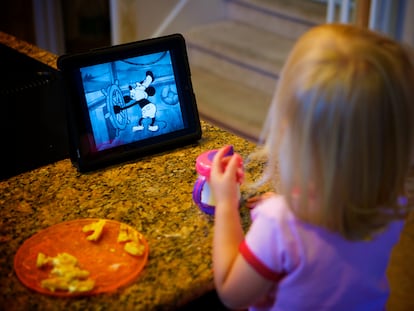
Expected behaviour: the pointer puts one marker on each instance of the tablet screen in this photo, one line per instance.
(132, 99)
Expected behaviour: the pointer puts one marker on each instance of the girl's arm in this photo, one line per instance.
(237, 283)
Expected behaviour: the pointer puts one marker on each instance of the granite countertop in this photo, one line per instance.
(153, 194)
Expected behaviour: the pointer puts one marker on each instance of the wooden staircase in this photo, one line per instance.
(235, 62)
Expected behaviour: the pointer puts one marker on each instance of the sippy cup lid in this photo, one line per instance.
(204, 161)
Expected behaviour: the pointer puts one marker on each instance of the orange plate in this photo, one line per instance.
(109, 265)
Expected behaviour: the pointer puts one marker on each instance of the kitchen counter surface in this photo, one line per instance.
(153, 194)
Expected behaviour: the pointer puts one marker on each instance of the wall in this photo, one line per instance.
(86, 24)
(16, 18)
(408, 32)
(133, 20)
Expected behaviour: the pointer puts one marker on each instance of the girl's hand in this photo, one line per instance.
(253, 201)
(225, 177)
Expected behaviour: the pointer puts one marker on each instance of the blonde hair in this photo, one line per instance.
(341, 128)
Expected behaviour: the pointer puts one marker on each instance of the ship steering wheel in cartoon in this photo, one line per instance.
(139, 95)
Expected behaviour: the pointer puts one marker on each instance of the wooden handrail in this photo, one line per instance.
(362, 12)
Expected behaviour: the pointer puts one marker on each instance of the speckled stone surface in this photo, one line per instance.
(153, 194)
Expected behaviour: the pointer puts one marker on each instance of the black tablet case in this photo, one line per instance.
(33, 122)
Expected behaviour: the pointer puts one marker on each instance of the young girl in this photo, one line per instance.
(339, 138)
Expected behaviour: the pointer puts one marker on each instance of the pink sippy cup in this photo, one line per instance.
(202, 195)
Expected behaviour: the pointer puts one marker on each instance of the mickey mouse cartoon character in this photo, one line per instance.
(139, 94)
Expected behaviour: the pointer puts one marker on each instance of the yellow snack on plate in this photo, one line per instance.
(126, 233)
(96, 227)
(65, 274)
(73, 286)
(133, 245)
(69, 272)
(60, 259)
(134, 248)
(43, 260)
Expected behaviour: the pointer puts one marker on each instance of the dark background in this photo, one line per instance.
(86, 24)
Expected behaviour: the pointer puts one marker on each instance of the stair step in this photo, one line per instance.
(235, 107)
(287, 17)
(239, 52)
(235, 63)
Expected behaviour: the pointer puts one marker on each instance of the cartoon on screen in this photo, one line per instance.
(132, 99)
(138, 95)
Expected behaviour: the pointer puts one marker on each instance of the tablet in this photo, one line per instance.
(129, 100)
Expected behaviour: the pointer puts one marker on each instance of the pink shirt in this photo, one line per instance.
(315, 269)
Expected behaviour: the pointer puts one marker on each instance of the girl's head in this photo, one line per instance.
(341, 127)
